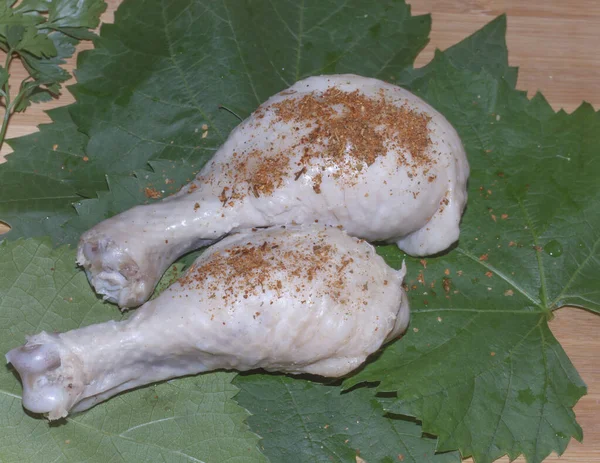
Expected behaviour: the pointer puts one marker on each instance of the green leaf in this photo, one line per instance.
(48, 70)
(485, 49)
(32, 6)
(78, 33)
(192, 419)
(11, 18)
(480, 338)
(43, 177)
(35, 43)
(83, 14)
(31, 92)
(302, 421)
(296, 40)
(14, 35)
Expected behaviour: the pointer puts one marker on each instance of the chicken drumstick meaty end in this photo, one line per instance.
(341, 150)
(306, 299)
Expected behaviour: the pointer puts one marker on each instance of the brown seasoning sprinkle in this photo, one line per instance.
(361, 129)
(250, 269)
(342, 124)
(317, 183)
(152, 193)
(268, 175)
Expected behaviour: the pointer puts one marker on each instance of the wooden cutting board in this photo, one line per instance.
(555, 44)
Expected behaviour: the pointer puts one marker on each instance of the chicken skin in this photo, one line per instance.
(299, 299)
(342, 150)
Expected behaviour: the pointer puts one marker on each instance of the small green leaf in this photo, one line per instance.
(35, 43)
(38, 182)
(14, 35)
(49, 70)
(30, 6)
(31, 92)
(10, 17)
(78, 33)
(83, 14)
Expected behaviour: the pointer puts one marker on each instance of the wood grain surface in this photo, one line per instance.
(555, 44)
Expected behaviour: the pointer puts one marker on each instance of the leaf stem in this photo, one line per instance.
(7, 62)
(17, 100)
(6, 92)
(4, 126)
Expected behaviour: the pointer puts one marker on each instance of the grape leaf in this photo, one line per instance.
(295, 40)
(191, 419)
(480, 367)
(302, 420)
(484, 49)
(44, 176)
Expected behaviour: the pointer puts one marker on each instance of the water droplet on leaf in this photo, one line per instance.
(553, 248)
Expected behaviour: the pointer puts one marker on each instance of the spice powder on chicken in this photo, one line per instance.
(249, 270)
(347, 130)
(355, 124)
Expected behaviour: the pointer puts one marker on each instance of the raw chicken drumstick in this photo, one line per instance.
(298, 300)
(342, 150)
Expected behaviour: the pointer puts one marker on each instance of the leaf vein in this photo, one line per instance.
(170, 418)
(501, 414)
(328, 17)
(111, 436)
(576, 273)
(239, 50)
(538, 254)
(14, 396)
(546, 381)
(299, 413)
(182, 75)
(502, 275)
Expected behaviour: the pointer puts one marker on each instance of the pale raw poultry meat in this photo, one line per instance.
(339, 150)
(306, 299)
